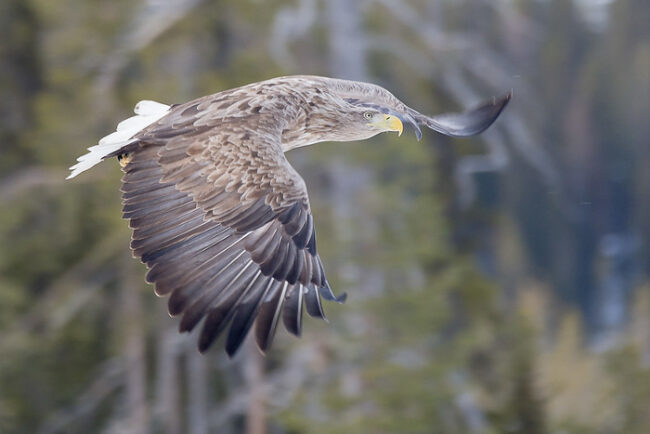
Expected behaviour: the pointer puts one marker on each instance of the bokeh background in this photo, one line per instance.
(499, 284)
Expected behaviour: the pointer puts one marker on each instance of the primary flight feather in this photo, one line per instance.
(221, 218)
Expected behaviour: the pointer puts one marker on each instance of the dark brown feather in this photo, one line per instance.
(292, 314)
(268, 316)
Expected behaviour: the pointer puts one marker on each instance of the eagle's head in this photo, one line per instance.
(342, 110)
(367, 119)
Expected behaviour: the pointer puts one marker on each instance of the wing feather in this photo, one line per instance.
(292, 314)
(219, 314)
(214, 287)
(313, 302)
(245, 315)
(268, 316)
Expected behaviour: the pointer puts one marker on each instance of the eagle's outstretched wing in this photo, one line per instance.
(223, 221)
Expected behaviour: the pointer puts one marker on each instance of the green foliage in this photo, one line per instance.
(632, 384)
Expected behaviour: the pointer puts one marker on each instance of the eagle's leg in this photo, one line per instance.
(124, 158)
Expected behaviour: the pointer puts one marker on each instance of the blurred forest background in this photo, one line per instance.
(496, 285)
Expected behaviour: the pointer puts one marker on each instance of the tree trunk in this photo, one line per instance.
(197, 405)
(254, 377)
(347, 40)
(136, 373)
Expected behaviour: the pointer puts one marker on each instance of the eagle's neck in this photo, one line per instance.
(320, 122)
(313, 108)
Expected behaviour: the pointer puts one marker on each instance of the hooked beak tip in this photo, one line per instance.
(394, 123)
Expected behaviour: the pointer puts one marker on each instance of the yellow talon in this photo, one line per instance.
(124, 159)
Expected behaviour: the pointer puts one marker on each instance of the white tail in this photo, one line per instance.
(146, 113)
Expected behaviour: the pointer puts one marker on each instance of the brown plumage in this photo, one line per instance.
(218, 214)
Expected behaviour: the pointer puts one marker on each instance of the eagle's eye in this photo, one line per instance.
(368, 115)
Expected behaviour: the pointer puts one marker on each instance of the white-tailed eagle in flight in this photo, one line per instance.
(220, 217)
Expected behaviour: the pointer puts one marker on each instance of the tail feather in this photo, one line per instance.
(147, 112)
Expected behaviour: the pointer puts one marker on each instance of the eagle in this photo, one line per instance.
(219, 216)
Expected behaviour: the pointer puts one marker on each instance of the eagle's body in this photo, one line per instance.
(218, 214)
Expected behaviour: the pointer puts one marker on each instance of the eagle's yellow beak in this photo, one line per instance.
(388, 122)
(392, 123)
